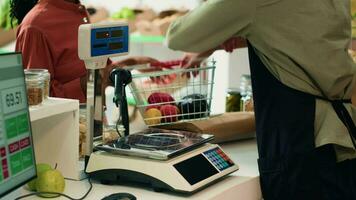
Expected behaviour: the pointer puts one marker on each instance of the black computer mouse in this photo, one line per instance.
(120, 196)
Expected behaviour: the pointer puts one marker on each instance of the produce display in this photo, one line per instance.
(5, 18)
(124, 13)
(163, 108)
(147, 21)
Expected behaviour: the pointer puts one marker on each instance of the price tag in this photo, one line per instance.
(13, 99)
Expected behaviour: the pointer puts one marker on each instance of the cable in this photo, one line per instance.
(59, 194)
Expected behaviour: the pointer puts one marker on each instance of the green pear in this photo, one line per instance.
(50, 181)
(40, 167)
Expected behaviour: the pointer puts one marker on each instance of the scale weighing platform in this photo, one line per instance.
(175, 160)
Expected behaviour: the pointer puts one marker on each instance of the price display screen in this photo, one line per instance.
(17, 163)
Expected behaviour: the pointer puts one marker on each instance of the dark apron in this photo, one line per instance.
(290, 166)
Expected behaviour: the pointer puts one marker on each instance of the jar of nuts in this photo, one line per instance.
(35, 88)
(46, 76)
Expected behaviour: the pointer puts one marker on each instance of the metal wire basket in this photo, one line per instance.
(188, 97)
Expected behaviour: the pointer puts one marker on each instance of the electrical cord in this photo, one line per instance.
(59, 194)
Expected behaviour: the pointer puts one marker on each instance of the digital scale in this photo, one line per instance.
(165, 159)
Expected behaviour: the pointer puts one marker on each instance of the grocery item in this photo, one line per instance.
(50, 181)
(233, 99)
(46, 76)
(169, 113)
(35, 88)
(40, 167)
(193, 106)
(152, 116)
(82, 129)
(160, 97)
(246, 93)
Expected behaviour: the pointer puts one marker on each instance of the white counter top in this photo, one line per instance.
(243, 184)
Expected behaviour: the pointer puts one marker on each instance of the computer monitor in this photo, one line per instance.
(17, 165)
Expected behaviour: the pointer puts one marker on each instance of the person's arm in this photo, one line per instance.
(211, 24)
(191, 60)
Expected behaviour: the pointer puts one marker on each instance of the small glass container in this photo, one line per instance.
(46, 76)
(35, 88)
(233, 98)
(246, 93)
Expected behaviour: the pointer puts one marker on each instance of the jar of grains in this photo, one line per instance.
(35, 88)
(46, 76)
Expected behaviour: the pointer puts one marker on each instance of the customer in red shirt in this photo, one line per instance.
(48, 38)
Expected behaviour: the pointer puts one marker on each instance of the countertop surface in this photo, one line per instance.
(243, 182)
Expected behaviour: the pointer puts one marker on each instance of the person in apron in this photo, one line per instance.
(285, 137)
(302, 79)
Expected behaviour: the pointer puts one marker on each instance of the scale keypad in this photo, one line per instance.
(219, 159)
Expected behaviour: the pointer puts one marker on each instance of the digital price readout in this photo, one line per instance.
(112, 40)
(17, 163)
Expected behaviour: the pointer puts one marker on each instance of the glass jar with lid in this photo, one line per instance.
(233, 98)
(46, 76)
(246, 93)
(35, 88)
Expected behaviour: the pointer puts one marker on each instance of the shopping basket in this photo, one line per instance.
(186, 97)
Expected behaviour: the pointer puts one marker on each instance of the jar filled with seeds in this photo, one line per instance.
(46, 76)
(35, 88)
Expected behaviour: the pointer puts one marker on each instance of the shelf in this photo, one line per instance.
(53, 106)
(138, 38)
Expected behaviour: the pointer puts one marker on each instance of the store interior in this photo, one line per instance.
(60, 136)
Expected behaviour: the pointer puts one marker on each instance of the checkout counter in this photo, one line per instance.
(243, 184)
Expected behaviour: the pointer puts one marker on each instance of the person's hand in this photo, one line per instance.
(194, 60)
(233, 43)
(154, 65)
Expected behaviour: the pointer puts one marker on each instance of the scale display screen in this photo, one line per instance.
(102, 35)
(111, 40)
(192, 170)
(17, 165)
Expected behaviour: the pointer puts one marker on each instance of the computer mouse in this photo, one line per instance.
(120, 196)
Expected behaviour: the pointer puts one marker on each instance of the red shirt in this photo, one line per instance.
(48, 38)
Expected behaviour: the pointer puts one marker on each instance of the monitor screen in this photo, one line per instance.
(16, 149)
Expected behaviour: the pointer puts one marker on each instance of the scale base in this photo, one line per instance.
(186, 173)
(121, 176)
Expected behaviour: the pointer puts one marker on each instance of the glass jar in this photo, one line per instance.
(46, 76)
(35, 88)
(246, 103)
(233, 98)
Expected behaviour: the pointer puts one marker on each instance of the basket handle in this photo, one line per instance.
(167, 64)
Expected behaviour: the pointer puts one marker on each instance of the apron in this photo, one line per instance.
(290, 166)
